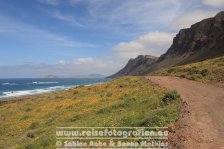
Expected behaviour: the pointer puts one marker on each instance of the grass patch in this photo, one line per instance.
(109, 94)
(25, 117)
(126, 101)
(209, 71)
(33, 125)
(44, 141)
(27, 109)
(75, 118)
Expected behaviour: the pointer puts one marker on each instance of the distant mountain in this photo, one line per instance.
(136, 66)
(89, 76)
(51, 76)
(95, 76)
(201, 41)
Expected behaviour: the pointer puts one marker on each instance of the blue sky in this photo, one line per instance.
(79, 37)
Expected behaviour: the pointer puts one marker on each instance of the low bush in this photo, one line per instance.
(124, 97)
(109, 94)
(27, 109)
(59, 97)
(192, 77)
(33, 125)
(204, 72)
(120, 105)
(44, 141)
(104, 110)
(182, 76)
(25, 117)
(75, 118)
(30, 134)
(145, 101)
(194, 70)
(29, 146)
(170, 70)
(75, 92)
(170, 96)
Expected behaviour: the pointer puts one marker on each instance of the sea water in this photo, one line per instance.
(22, 87)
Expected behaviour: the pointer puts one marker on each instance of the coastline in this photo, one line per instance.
(5, 100)
(13, 87)
(122, 102)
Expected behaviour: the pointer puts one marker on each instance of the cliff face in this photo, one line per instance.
(136, 66)
(201, 41)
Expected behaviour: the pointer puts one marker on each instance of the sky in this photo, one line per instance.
(72, 38)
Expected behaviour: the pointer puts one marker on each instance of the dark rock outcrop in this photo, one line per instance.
(201, 41)
(136, 66)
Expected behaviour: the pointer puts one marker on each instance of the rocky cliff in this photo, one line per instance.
(201, 41)
(136, 66)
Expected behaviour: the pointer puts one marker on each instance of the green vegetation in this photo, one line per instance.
(209, 71)
(126, 101)
(170, 96)
(33, 125)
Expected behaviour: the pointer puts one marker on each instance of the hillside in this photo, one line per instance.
(136, 66)
(201, 41)
(209, 71)
(30, 122)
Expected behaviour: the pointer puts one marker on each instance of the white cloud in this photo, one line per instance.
(87, 62)
(86, 65)
(84, 60)
(135, 14)
(62, 62)
(124, 16)
(78, 62)
(187, 19)
(216, 3)
(67, 18)
(153, 43)
(33, 35)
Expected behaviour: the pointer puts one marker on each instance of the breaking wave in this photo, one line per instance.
(31, 83)
(33, 92)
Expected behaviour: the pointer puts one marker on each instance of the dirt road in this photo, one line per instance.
(203, 126)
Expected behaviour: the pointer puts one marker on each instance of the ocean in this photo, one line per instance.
(23, 87)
